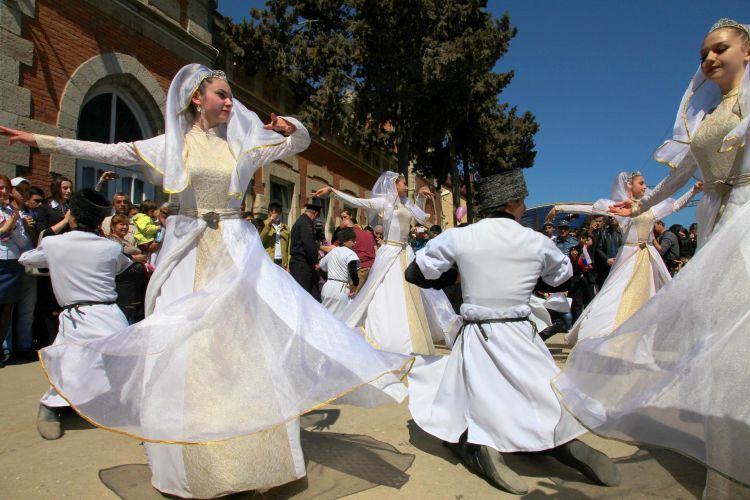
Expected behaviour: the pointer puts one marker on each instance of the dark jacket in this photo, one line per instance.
(303, 247)
(47, 216)
(670, 247)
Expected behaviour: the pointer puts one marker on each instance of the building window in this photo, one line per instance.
(110, 117)
(281, 192)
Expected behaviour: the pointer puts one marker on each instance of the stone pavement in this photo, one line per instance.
(363, 454)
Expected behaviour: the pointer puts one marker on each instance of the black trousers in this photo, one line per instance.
(305, 274)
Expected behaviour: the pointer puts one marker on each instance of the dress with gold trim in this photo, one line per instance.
(233, 350)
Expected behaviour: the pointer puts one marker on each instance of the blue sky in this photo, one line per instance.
(604, 79)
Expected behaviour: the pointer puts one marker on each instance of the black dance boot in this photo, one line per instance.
(592, 463)
(48, 423)
(489, 464)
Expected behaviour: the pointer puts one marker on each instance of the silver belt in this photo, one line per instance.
(211, 216)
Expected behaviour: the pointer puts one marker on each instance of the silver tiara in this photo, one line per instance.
(216, 73)
(725, 22)
(633, 175)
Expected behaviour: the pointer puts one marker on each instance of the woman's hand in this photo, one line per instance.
(324, 191)
(551, 215)
(18, 136)
(425, 191)
(280, 125)
(698, 187)
(623, 208)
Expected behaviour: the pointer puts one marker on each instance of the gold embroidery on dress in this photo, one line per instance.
(258, 459)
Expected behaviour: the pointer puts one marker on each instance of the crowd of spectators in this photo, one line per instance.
(593, 247)
(28, 309)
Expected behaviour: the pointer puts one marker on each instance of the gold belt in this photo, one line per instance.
(727, 184)
(396, 243)
(639, 244)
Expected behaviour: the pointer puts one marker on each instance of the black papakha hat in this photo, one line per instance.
(89, 208)
(495, 191)
(315, 204)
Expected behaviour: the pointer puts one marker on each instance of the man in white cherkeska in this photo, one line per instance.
(82, 266)
(341, 264)
(493, 391)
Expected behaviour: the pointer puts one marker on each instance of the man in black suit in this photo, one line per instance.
(303, 253)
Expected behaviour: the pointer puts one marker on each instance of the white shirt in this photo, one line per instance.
(277, 247)
(82, 266)
(499, 261)
(17, 240)
(336, 263)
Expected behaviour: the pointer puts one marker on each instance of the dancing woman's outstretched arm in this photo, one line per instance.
(297, 140)
(122, 153)
(670, 206)
(377, 204)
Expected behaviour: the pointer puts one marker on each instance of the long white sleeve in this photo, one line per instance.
(122, 153)
(298, 141)
(670, 206)
(557, 268)
(417, 208)
(376, 204)
(667, 187)
(34, 258)
(571, 208)
(438, 255)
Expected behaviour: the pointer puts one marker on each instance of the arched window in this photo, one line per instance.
(109, 116)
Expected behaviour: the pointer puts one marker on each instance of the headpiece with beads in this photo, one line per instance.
(725, 22)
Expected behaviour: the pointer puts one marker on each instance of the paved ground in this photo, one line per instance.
(366, 454)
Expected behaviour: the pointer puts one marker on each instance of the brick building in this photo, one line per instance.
(100, 70)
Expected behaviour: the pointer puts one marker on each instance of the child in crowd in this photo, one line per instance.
(146, 227)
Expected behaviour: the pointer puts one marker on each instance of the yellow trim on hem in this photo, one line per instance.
(410, 362)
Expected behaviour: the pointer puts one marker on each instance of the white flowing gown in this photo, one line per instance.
(637, 274)
(396, 315)
(232, 346)
(675, 373)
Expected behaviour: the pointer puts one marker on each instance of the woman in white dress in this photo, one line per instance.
(638, 271)
(231, 346)
(396, 316)
(675, 373)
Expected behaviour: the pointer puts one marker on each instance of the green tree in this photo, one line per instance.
(413, 78)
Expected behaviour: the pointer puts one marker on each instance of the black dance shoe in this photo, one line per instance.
(489, 464)
(592, 463)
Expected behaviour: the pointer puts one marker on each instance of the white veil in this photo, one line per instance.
(701, 96)
(385, 187)
(243, 131)
(622, 184)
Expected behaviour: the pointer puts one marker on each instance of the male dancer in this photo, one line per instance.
(493, 391)
(82, 267)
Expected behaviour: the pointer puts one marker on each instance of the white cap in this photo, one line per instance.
(15, 181)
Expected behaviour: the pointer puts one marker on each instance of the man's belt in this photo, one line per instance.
(76, 305)
(480, 322)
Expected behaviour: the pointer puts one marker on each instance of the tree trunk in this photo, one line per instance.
(469, 190)
(455, 179)
(404, 143)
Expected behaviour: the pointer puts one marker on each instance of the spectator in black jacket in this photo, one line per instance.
(668, 245)
(304, 249)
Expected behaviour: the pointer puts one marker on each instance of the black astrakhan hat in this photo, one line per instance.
(499, 189)
(89, 208)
